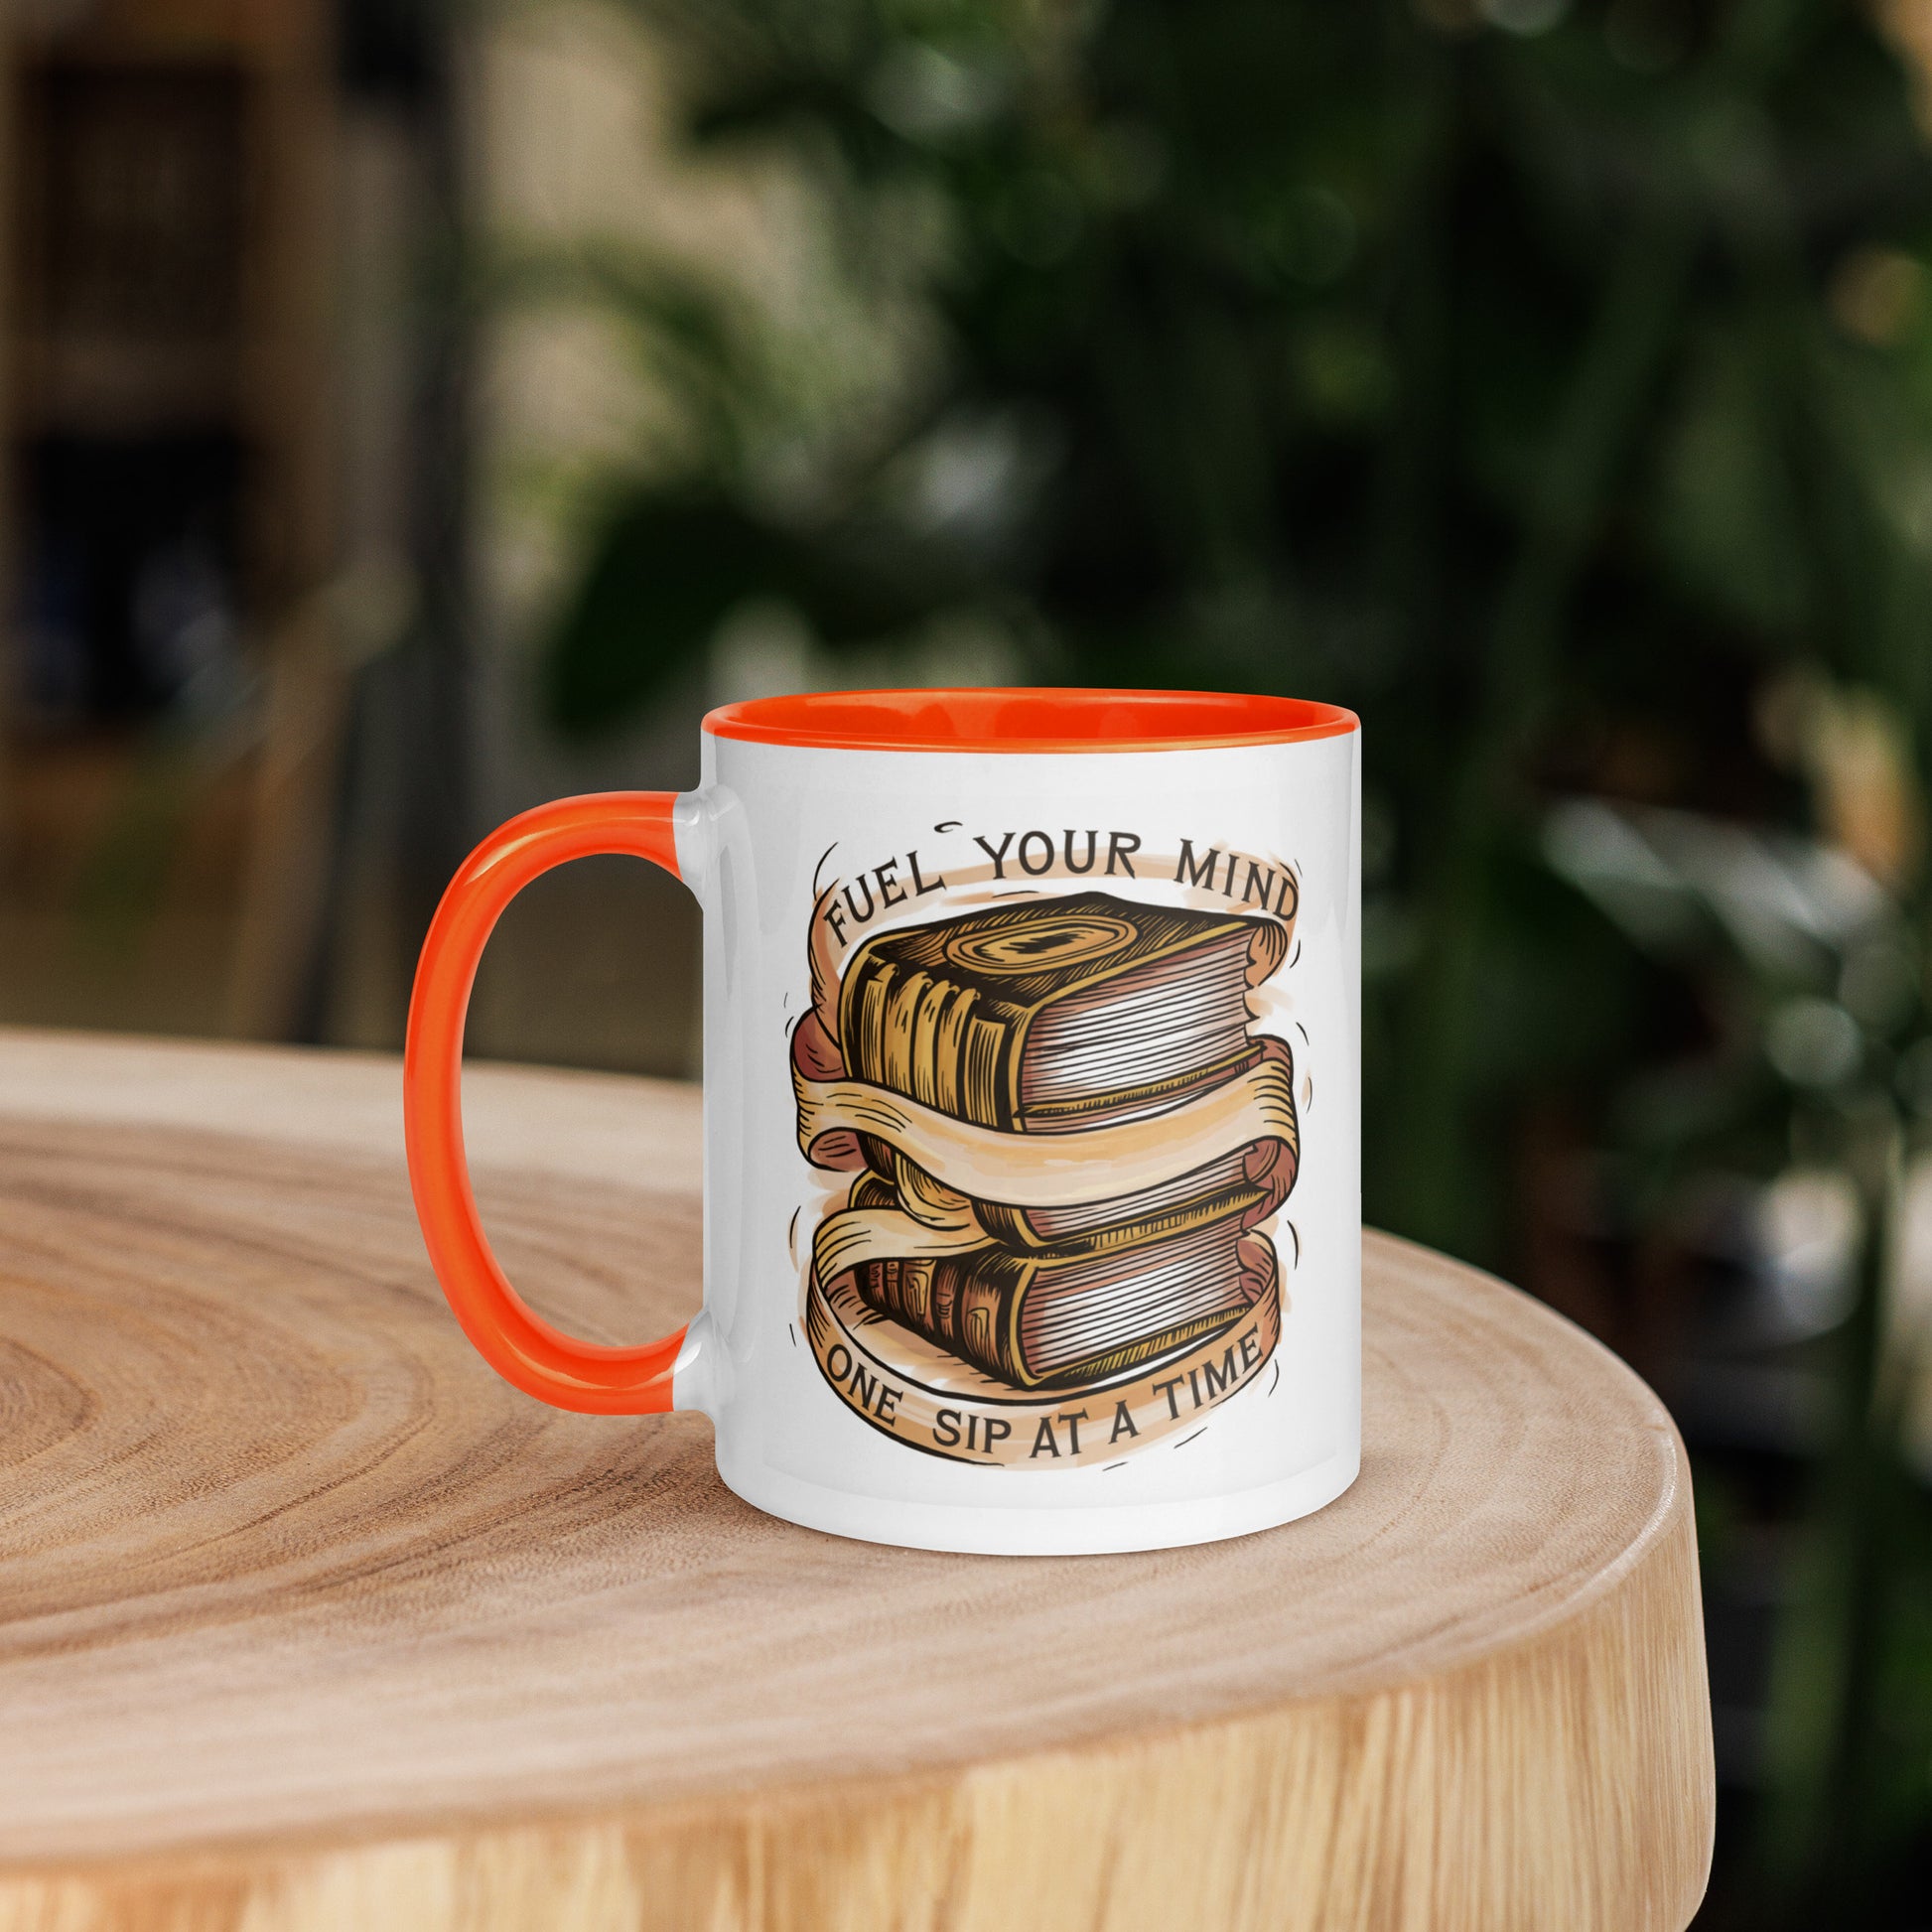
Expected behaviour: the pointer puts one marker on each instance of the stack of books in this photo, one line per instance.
(1045, 1017)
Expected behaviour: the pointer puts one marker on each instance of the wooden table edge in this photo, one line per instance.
(765, 1845)
(787, 1849)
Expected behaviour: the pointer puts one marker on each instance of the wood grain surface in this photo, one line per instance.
(307, 1620)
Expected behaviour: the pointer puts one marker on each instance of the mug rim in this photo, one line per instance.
(1027, 719)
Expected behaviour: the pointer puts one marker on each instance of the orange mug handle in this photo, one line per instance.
(517, 1342)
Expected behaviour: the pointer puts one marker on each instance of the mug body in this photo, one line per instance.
(1031, 1115)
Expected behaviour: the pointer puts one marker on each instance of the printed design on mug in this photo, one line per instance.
(1065, 1134)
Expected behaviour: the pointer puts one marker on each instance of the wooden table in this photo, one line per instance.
(307, 1620)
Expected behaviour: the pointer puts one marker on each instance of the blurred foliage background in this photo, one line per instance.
(1552, 392)
(1548, 381)
(1552, 385)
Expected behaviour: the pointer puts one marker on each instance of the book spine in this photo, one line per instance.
(966, 1309)
(949, 1050)
(929, 1039)
(986, 1316)
(899, 1027)
(989, 1085)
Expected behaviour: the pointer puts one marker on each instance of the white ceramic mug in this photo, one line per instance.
(1032, 1113)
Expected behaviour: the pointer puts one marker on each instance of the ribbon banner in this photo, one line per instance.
(916, 1392)
(1047, 1171)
